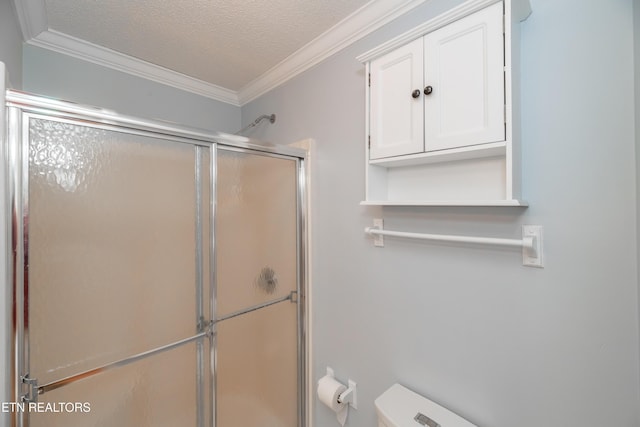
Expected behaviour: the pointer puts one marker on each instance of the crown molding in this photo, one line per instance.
(32, 16)
(370, 17)
(354, 27)
(78, 48)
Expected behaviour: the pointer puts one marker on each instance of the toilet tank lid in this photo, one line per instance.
(399, 406)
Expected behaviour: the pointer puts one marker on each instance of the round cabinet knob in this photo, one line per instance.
(428, 90)
(415, 93)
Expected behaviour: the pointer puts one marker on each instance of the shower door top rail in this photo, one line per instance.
(59, 108)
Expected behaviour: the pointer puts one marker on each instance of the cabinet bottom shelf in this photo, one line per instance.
(479, 203)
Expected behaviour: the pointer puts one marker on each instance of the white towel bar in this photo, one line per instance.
(531, 242)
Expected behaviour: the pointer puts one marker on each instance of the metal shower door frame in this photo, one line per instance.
(20, 108)
(299, 297)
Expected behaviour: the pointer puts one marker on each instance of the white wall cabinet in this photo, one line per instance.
(464, 66)
(396, 106)
(442, 110)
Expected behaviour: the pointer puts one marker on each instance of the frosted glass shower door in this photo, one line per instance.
(257, 279)
(115, 244)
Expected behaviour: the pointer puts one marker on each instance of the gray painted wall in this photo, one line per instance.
(501, 344)
(636, 48)
(11, 57)
(11, 43)
(64, 77)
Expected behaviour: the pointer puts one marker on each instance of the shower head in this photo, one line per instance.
(271, 117)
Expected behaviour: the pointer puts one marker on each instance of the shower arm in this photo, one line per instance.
(271, 117)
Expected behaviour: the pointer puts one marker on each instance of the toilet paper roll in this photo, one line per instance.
(328, 391)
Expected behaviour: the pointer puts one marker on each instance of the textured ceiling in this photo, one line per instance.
(228, 43)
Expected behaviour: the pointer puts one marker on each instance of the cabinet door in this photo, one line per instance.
(396, 112)
(464, 66)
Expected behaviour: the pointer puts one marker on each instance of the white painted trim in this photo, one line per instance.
(357, 25)
(32, 16)
(78, 48)
(465, 9)
(370, 17)
(522, 10)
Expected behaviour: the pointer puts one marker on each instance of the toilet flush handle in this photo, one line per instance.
(425, 421)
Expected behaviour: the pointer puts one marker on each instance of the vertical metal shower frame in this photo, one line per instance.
(18, 189)
(200, 320)
(302, 291)
(213, 173)
(20, 107)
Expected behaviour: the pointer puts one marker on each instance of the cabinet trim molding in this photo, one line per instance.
(467, 8)
(448, 203)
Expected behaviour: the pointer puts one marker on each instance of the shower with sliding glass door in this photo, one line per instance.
(157, 272)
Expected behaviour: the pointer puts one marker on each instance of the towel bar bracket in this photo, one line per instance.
(531, 242)
(378, 239)
(532, 257)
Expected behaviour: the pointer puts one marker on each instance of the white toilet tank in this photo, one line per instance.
(400, 407)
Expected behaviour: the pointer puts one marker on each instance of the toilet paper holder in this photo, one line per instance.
(349, 396)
